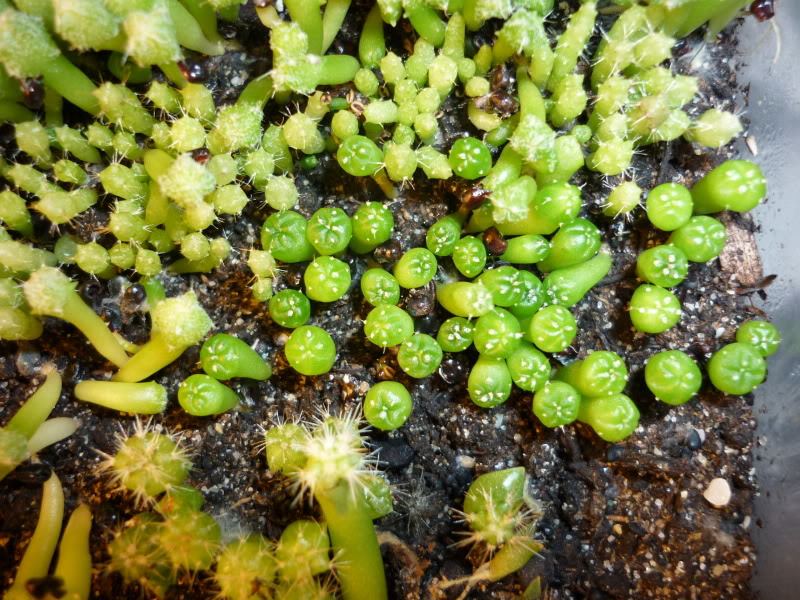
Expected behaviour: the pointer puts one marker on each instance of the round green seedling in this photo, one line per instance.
(737, 369)
(533, 296)
(613, 418)
(470, 158)
(469, 256)
(654, 309)
(701, 239)
(419, 356)
(455, 334)
(327, 279)
(283, 447)
(574, 242)
(201, 395)
(224, 356)
(529, 368)
(359, 156)
(149, 463)
(415, 268)
(388, 325)
(388, 405)
(552, 329)
(505, 284)
(489, 382)
(497, 334)
(310, 350)
(669, 206)
(284, 235)
(556, 404)
(329, 230)
(672, 376)
(380, 287)
(664, 266)
(737, 185)
(602, 373)
(443, 236)
(526, 249)
(465, 299)
(761, 335)
(494, 503)
(372, 225)
(290, 308)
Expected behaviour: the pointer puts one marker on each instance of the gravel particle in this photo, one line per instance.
(718, 492)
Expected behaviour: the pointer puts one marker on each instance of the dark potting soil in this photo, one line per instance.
(625, 520)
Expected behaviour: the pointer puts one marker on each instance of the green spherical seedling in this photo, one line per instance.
(244, 565)
(469, 256)
(737, 369)
(388, 325)
(489, 382)
(372, 225)
(283, 445)
(737, 185)
(672, 376)
(470, 158)
(359, 156)
(147, 463)
(380, 287)
(190, 539)
(556, 404)
(664, 266)
(761, 335)
(701, 239)
(574, 242)
(202, 395)
(289, 308)
(497, 334)
(284, 235)
(529, 368)
(455, 334)
(654, 309)
(552, 329)
(303, 551)
(493, 505)
(388, 405)
(526, 249)
(623, 199)
(613, 418)
(602, 373)
(281, 193)
(137, 555)
(329, 230)
(327, 279)
(532, 298)
(419, 356)
(465, 299)
(669, 206)
(310, 350)
(505, 284)
(416, 268)
(224, 356)
(443, 236)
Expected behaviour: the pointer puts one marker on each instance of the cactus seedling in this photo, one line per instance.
(50, 292)
(146, 463)
(178, 323)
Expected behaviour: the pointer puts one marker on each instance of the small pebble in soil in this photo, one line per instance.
(696, 439)
(718, 492)
(394, 453)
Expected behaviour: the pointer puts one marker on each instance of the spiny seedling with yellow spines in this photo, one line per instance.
(328, 460)
(146, 463)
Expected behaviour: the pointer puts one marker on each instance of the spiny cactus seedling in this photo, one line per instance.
(146, 463)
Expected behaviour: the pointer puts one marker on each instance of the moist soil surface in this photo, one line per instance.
(625, 520)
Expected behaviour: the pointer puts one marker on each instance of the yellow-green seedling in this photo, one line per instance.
(761, 335)
(465, 299)
(73, 570)
(714, 128)
(137, 555)
(246, 567)
(190, 539)
(178, 323)
(26, 432)
(335, 470)
(224, 356)
(139, 398)
(201, 395)
(737, 368)
(14, 213)
(146, 463)
(502, 518)
(49, 292)
(20, 259)
(303, 551)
